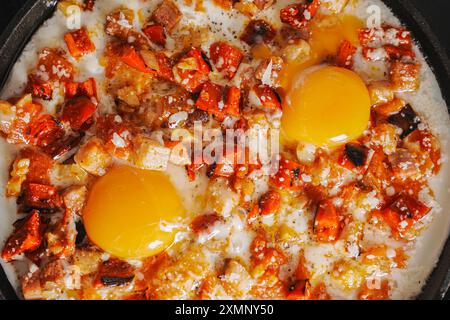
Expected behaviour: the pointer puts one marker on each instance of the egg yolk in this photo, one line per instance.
(125, 210)
(327, 107)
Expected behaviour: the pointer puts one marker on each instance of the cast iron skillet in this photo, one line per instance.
(35, 12)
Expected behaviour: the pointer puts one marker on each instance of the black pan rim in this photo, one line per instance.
(24, 24)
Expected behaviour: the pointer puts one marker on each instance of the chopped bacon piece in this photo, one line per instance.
(26, 238)
(54, 65)
(405, 76)
(77, 112)
(204, 222)
(156, 34)
(40, 196)
(270, 202)
(89, 5)
(87, 88)
(268, 98)
(192, 71)
(406, 119)
(115, 272)
(298, 15)
(167, 15)
(288, 176)
(258, 31)
(119, 24)
(39, 88)
(218, 101)
(45, 130)
(79, 43)
(327, 223)
(226, 58)
(345, 55)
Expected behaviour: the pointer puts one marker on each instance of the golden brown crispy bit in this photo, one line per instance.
(405, 76)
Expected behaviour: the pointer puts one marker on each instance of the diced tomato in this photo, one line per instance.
(26, 238)
(226, 58)
(53, 63)
(298, 15)
(345, 55)
(39, 88)
(288, 176)
(192, 71)
(45, 130)
(270, 203)
(267, 96)
(79, 43)
(327, 223)
(156, 34)
(87, 88)
(40, 196)
(204, 222)
(78, 111)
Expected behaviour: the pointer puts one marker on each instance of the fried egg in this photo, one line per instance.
(328, 106)
(325, 105)
(129, 210)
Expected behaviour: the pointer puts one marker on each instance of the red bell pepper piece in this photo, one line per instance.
(267, 96)
(40, 196)
(78, 111)
(156, 34)
(327, 224)
(26, 238)
(226, 58)
(288, 176)
(79, 43)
